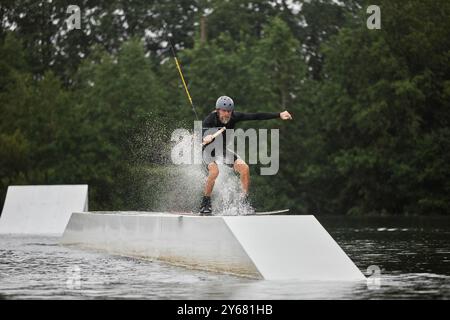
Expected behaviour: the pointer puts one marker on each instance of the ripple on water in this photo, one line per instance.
(413, 264)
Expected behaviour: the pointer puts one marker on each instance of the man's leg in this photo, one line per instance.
(213, 172)
(244, 172)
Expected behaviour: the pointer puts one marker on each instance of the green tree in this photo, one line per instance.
(118, 98)
(377, 112)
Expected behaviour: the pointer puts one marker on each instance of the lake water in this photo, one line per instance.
(409, 258)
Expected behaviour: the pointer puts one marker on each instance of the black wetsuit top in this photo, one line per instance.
(212, 121)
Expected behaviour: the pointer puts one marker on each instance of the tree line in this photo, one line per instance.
(97, 105)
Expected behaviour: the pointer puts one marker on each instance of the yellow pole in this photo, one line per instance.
(182, 79)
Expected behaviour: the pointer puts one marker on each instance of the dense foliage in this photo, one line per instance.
(371, 108)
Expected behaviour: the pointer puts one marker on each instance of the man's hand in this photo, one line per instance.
(207, 139)
(285, 115)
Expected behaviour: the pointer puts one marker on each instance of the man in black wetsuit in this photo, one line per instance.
(225, 116)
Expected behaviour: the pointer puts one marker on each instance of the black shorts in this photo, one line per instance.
(227, 154)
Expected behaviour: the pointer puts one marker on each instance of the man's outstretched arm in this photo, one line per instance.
(241, 116)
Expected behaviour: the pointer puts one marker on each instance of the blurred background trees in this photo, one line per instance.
(371, 110)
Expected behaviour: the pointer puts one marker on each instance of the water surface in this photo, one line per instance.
(409, 258)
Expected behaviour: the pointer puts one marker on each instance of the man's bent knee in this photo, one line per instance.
(241, 167)
(213, 170)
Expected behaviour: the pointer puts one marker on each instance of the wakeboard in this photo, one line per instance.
(256, 213)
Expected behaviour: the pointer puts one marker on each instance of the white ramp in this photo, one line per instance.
(292, 247)
(268, 247)
(42, 209)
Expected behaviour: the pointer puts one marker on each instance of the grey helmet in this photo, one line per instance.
(225, 102)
